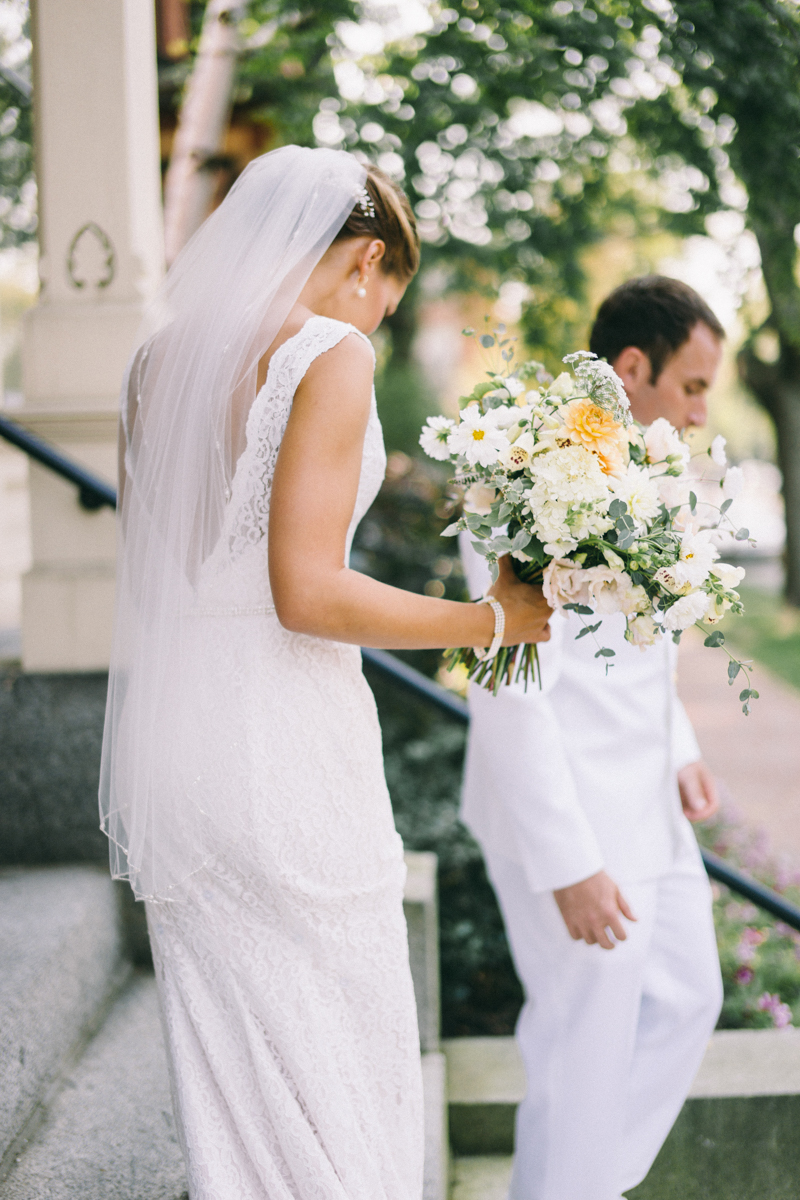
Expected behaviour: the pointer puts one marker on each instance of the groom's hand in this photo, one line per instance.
(699, 793)
(592, 907)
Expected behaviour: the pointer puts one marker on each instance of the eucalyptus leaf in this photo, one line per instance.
(536, 551)
(605, 652)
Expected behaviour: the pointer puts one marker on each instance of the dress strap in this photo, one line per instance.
(317, 335)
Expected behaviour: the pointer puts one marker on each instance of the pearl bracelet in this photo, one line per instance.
(499, 628)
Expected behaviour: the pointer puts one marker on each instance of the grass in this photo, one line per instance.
(769, 632)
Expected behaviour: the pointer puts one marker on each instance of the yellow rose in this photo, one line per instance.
(596, 429)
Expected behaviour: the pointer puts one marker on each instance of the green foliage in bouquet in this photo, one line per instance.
(587, 503)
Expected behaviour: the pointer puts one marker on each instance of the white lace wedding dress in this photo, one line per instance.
(283, 972)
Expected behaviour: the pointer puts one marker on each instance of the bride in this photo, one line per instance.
(242, 783)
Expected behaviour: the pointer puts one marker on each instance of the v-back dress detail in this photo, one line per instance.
(283, 969)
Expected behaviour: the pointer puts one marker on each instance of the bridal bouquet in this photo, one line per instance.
(589, 504)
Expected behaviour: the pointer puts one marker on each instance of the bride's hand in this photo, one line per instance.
(527, 611)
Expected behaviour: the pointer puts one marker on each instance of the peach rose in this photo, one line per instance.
(597, 430)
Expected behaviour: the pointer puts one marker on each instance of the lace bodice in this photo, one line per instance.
(236, 576)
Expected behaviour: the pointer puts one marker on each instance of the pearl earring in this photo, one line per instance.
(361, 291)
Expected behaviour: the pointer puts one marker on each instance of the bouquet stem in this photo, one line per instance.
(494, 672)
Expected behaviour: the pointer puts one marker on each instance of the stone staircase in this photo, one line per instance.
(85, 1109)
(737, 1137)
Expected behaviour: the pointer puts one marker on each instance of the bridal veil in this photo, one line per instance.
(187, 391)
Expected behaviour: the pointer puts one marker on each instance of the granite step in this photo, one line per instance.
(61, 963)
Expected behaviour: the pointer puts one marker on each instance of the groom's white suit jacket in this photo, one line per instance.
(580, 776)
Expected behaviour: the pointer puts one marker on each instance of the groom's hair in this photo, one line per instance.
(653, 312)
(386, 213)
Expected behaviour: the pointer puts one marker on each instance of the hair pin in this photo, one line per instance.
(365, 203)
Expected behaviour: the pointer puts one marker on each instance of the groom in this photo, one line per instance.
(579, 796)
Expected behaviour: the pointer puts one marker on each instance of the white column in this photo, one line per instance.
(101, 246)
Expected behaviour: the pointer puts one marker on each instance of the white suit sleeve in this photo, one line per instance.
(519, 796)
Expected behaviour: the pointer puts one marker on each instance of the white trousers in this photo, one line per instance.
(611, 1039)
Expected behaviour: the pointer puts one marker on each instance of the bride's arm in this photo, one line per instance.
(313, 496)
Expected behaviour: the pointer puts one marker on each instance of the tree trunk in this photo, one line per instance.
(172, 28)
(777, 388)
(188, 186)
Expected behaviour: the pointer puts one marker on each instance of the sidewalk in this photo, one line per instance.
(756, 757)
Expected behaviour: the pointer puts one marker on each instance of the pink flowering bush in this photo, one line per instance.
(781, 1013)
(760, 956)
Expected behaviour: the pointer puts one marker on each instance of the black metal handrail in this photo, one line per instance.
(414, 681)
(94, 493)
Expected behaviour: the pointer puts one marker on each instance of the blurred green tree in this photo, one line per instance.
(284, 67)
(17, 184)
(501, 120)
(529, 132)
(732, 112)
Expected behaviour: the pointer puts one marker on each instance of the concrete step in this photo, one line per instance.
(737, 1135)
(485, 1083)
(480, 1178)
(735, 1139)
(422, 918)
(109, 1134)
(437, 1149)
(60, 963)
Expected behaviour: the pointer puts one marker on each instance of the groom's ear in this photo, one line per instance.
(634, 369)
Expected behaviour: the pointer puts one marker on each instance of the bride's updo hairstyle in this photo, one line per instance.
(384, 212)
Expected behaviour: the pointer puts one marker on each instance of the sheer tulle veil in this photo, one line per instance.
(185, 399)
